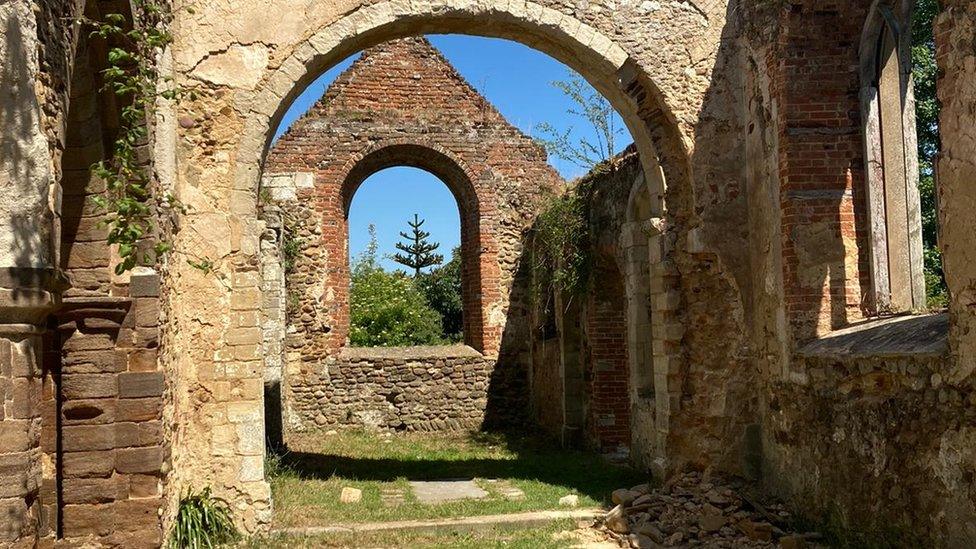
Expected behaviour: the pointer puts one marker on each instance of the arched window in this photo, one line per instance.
(892, 168)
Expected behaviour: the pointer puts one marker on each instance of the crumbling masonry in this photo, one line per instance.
(766, 216)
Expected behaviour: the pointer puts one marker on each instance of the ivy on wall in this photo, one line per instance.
(131, 201)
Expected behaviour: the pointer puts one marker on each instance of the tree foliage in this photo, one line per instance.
(418, 253)
(924, 75)
(442, 289)
(387, 309)
(597, 112)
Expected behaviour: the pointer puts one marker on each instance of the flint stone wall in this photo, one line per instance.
(396, 389)
(877, 413)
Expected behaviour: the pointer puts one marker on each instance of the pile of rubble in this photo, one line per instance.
(695, 510)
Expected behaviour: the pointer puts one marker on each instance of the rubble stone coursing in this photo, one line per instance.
(750, 114)
(398, 389)
(877, 412)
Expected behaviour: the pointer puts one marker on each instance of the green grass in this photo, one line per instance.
(307, 480)
(548, 537)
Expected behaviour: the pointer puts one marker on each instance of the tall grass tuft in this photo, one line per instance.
(202, 522)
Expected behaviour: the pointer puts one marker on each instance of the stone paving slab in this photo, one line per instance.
(433, 492)
(392, 497)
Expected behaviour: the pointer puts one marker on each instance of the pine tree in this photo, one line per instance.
(418, 253)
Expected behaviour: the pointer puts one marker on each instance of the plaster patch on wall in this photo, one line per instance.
(236, 67)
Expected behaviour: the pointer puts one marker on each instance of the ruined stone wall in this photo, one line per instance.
(867, 406)
(955, 34)
(651, 387)
(877, 412)
(654, 61)
(35, 47)
(395, 389)
(93, 393)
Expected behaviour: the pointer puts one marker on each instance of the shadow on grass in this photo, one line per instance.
(535, 458)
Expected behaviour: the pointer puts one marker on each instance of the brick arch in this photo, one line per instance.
(454, 172)
(440, 161)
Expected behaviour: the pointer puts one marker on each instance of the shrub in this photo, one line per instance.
(386, 309)
(202, 521)
(442, 290)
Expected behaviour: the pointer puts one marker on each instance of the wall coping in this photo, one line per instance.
(899, 336)
(409, 353)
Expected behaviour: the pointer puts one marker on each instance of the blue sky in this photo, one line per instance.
(513, 77)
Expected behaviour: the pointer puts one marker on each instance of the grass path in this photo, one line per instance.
(306, 482)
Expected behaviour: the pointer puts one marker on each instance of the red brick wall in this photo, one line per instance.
(815, 83)
(605, 352)
(401, 103)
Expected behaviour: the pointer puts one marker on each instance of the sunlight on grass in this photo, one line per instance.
(307, 481)
(548, 537)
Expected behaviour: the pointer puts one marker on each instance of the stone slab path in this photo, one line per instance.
(433, 492)
(392, 497)
(506, 490)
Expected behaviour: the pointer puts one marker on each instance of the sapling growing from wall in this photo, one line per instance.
(597, 112)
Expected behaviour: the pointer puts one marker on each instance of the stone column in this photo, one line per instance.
(28, 285)
(955, 32)
(273, 324)
(24, 305)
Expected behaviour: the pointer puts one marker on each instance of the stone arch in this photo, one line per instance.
(439, 161)
(891, 165)
(598, 58)
(664, 148)
(459, 179)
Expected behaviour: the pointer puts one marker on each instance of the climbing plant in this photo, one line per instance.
(562, 256)
(130, 201)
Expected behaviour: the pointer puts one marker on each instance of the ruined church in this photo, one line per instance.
(760, 310)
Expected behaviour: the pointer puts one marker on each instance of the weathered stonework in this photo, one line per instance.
(396, 389)
(647, 387)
